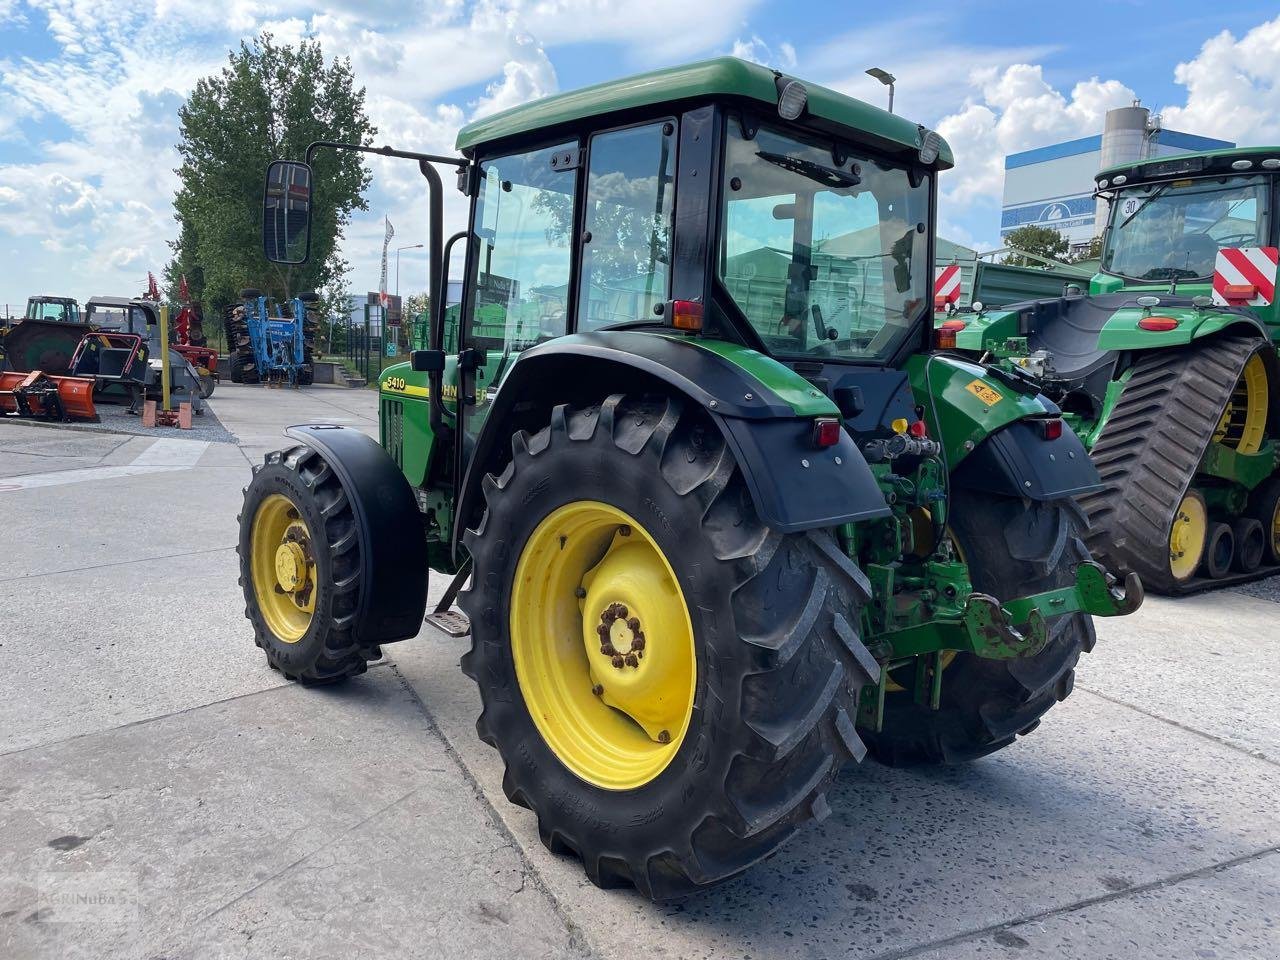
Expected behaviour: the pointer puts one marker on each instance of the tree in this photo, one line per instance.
(1092, 252)
(1041, 241)
(269, 102)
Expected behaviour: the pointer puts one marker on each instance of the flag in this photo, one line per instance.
(386, 241)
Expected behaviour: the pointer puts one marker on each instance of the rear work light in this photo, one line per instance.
(686, 315)
(826, 432)
(1049, 429)
(1157, 323)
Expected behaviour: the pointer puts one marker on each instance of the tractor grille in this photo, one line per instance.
(392, 421)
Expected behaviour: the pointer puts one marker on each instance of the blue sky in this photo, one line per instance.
(89, 93)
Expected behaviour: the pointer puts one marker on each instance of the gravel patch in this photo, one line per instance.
(1267, 589)
(115, 418)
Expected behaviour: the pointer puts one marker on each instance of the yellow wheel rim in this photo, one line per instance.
(1188, 536)
(603, 645)
(282, 564)
(1243, 425)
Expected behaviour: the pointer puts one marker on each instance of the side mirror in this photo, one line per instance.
(427, 361)
(286, 212)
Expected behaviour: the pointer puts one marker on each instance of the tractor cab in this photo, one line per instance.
(57, 309)
(716, 519)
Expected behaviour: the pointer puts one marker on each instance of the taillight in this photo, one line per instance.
(944, 335)
(1049, 429)
(1239, 292)
(686, 315)
(826, 432)
(1157, 324)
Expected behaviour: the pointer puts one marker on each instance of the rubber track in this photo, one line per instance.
(1149, 451)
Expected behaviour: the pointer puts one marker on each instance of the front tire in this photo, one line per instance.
(773, 641)
(300, 568)
(1014, 548)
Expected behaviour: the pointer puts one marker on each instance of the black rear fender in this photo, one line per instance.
(1016, 461)
(794, 485)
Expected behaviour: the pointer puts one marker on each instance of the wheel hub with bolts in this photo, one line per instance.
(284, 568)
(603, 645)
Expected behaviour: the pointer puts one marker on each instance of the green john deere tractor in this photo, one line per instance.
(1167, 368)
(722, 534)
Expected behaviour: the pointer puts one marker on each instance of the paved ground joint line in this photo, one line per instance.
(330, 841)
(577, 935)
(114, 563)
(1220, 741)
(275, 688)
(905, 953)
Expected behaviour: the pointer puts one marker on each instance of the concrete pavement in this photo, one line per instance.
(147, 753)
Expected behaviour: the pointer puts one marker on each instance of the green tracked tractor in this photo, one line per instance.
(722, 534)
(1167, 368)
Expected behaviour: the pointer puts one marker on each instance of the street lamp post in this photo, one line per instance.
(408, 246)
(887, 78)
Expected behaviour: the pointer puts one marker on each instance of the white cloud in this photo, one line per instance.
(1011, 110)
(756, 50)
(1233, 87)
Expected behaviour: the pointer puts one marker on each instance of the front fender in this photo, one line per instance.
(393, 547)
(1122, 332)
(763, 409)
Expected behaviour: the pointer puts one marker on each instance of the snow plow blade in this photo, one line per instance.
(40, 396)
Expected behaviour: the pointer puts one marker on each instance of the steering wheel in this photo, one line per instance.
(1235, 240)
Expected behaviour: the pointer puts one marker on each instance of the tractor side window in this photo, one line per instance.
(520, 263)
(630, 196)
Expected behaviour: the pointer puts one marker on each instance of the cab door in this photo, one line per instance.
(517, 285)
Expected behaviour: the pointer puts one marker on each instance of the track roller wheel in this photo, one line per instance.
(671, 684)
(1188, 536)
(1251, 544)
(1220, 548)
(1264, 505)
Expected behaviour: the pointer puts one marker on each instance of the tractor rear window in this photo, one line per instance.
(825, 252)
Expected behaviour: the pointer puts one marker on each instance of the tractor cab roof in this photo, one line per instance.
(1241, 160)
(724, 78)
(45, 298)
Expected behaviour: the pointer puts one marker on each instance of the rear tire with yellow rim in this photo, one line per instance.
(300, 568)
(672, 685)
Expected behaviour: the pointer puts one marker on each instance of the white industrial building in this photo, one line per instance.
(1053, 186)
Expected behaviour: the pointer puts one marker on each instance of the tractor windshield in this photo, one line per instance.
(823, 250)
(1173, 230)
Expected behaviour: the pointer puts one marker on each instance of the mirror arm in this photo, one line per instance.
(384, 152)
(435, 226)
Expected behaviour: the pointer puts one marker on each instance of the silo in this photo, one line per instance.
(1125, 139)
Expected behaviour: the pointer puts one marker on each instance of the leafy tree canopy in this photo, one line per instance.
(1041, 241)
(269, 102)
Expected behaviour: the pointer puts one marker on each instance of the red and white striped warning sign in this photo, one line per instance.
(1245, 276)
(946, 285)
